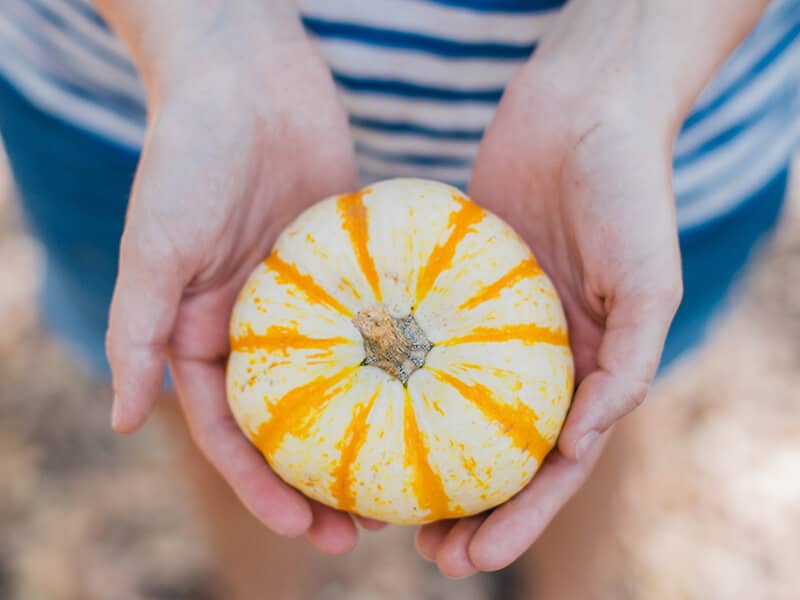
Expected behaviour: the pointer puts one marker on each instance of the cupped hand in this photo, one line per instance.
(585, 178)
(236, 147)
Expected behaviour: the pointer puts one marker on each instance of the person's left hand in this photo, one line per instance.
(585, 178)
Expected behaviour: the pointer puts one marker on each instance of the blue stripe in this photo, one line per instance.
(722, 138)
(408, 128)
(118, 102)
(711, 184)
(744, 79)
(20, 98)
(57, 21)
(773, 189)
(413, 158)
(406, 89)
(502, 6)
(389, 38)
(785, 98)
(88, 12)
(712, 256)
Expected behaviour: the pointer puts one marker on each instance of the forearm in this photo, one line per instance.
(667, 50)
(164, 37)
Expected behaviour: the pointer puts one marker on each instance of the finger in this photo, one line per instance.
(370, 524)
(429, 537)
(513, 527)
(452, 556)
(332, 531)
(145, 302)
(201, 388)
(627, 360)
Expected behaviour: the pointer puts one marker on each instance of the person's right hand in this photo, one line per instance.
(244, 132)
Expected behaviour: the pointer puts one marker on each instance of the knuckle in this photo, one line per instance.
(673, 295)
(665, 298)
(221, 443)
(637, 396)
(114, 346)
(206, 441)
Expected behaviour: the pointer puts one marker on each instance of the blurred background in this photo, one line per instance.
(710, 505)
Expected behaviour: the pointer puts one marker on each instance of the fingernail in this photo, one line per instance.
(585, 444)
(457, 577)
(115, 413)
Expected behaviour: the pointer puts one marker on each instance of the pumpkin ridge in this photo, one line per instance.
(426, 483)
(468, 462)
(526, 268)
(441, 258)
(288, 273)
(350, 445)
(298, 409)
(355, 222)
(526, 333)
(517, 420)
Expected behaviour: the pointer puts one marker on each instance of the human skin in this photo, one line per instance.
(245, 131)
(579, 160)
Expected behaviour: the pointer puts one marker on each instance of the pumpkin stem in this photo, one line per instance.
(396, 345)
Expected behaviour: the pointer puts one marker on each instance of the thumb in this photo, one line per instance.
(627, 360)
(143, 309)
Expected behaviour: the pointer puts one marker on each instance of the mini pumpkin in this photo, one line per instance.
(401, 355)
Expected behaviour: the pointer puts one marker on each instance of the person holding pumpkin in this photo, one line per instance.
(235, 119)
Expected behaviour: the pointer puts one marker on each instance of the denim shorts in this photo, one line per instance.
(74, 187)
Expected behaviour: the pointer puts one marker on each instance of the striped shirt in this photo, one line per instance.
(421, 79)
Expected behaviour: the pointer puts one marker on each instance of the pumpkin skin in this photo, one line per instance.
(400, 355)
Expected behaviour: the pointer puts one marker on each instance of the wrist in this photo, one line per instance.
(568, 105)
(602, 68)
(182, 40)
(654, 56)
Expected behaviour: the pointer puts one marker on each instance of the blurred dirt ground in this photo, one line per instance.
(712, 501)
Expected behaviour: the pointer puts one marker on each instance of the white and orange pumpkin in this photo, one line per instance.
(401, 355)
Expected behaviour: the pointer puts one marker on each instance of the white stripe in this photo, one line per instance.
(732, 172)
(386, 170)
(374, 61)
(83, 25)
(412, 143)
(759, 91)
(752, 174)
(774, 7)
(754, 48)
(718, 167)
(434, 20)
(84, 65)
(444, 115)
(69, 107)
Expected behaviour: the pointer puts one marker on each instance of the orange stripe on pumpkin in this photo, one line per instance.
(526, 268)
(287, 273)
(427, 485)
(346, 283)
(441, 258)
(518, 420)
(471, 466)
(527, 334)
(280, 339)
(298, 410)
(356, 224)
(350, 445)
